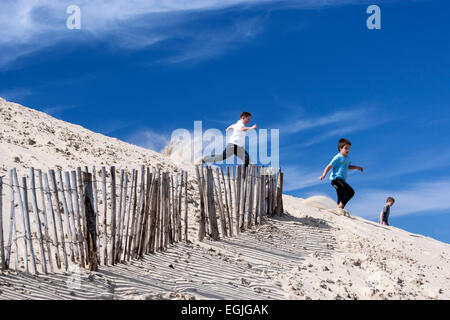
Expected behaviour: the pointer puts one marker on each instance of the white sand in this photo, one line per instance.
(308, 254)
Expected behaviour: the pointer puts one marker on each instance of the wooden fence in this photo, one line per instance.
(71, 221)
(238, 199)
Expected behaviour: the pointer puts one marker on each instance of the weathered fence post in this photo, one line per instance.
(244, 196)
(211, 205)
(257, 189)
(119, 217)
(113, 215)
(279, 208)
(12, 227)
(90, 222)
(218, 192)
(105, 211)
(52, 221)
(130, 206)
(66, 217)
(45, 214)
(38, 221)
(69, 192)
(22, 218)
(237, 194)
(201, 229)
(83, 211)
(79, 229)
(230, 204)
(2, 248)
(97, 213)
(28, 225)
(185, 208)
(59, 217)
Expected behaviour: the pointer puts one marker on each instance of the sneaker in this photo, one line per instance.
(346, 213)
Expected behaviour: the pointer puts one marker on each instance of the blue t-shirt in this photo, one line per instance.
(340, 167)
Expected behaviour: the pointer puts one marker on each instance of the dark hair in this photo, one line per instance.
(245, 114)
(343, 142)
(390, 199)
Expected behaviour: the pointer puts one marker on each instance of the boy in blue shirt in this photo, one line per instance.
(340, 164)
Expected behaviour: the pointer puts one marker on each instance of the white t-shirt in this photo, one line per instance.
(238, 136)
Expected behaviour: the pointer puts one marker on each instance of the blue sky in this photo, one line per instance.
(310, 68)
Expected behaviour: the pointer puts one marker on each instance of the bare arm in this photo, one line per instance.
(325, 172)
(249, 128)
(229, 128)
(356, 168)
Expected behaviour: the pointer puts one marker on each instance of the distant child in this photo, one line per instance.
(340, 164)
(236, 143)
(384, 214)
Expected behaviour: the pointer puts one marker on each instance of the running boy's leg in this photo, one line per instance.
(242, 154)
(227, 152)
(344, 191)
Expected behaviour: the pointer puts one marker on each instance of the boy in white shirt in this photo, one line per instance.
(236, 143)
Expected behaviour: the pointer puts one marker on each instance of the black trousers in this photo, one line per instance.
(230, 150)
(343, 190)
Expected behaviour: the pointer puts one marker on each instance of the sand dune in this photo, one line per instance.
(306, 254)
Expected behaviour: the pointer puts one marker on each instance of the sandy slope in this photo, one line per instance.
(308, 254)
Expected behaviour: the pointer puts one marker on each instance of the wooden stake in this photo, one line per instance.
(279, 208)
(211, 205)
(244, 178)
(38, 221)
(90, 222)
(119, 217)
(218, 191)
(186, 238)
(237, 195)
(130, 206)
(78, 220)
(201, 229)
(227, 189)
(113, 215)
(66, 217)
(44, 212)
(69, 192)
(83, 212)
(52, 221)
(2, 246)
(123, 202)
(94, 190)
(27, 223)
(12, 227)
(59, 217)
(105, 222)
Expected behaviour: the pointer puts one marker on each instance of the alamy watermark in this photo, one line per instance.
(192, 146)
(74, 19)
(374, 20)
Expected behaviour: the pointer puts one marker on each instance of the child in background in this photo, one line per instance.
(340, 164)
(384, 215)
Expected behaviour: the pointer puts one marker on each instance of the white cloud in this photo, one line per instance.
(334, 125)
(15, 94)
(149, 139)
(27, 26)
(296, 178)
(421, 197)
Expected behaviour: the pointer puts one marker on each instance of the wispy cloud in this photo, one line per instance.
(421, 197)
(149, 139)
(15, 94)
(297, 178)
(338, 123)
(27, 26)
(57, 110)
